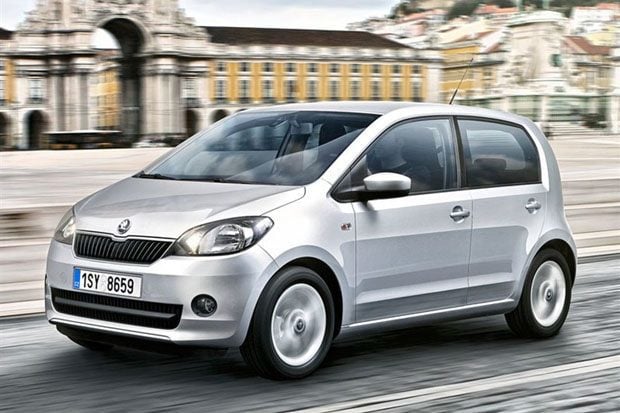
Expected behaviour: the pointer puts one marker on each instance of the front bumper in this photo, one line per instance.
(235, 281)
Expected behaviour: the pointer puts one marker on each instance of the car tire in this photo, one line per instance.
(292, 327)
(545, 299)
(91, 345)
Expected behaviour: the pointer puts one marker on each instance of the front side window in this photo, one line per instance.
(497, 154)
(422, 150)
(277, 148)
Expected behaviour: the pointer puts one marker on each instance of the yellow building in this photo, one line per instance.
(481, 74)
(7, 87)
(263, 66)
(105, 91)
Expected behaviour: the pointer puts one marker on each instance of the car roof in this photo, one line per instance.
(385, 107)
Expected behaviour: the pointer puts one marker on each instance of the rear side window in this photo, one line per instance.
(497, 154)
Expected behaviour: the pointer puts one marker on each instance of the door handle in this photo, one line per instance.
(458, 214)
(532, 205)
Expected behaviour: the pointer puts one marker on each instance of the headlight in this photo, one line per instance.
(222, 237)
(66, 228)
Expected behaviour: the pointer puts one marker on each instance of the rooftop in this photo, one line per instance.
(5, 34)
(582, 44)
(299, 37)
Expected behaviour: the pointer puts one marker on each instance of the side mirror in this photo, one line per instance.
(385, 185)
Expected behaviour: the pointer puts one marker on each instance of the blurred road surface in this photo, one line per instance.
(472, 365)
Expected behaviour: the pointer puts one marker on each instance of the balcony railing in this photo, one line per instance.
(36, 100)
(244, 100)
(192, 102)
(269, 100)
(3, 102)
(221, 100)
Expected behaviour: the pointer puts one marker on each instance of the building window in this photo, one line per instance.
(2, 92)
(244, 91)
(1, 65)
(221, 90)
(189, 87)
(313, 68)
(396, 69)
(268, 90)
(334, 89)
(376, 69)
(415, 69)
(290, 89)
(311, 89)
(334, 68)
(268, 67)
(221, 67)
(355, 89)
(244, 67)
(291, 67)
(395, 90)
(35, 90)
(416, 91)
(376, 89)
(355, 68)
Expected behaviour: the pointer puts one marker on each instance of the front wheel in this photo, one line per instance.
(292, 327)
(545, 299)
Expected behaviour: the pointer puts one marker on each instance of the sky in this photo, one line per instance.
(307, 14)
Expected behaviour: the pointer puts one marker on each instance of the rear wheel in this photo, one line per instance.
(292, 327)
(545, 299)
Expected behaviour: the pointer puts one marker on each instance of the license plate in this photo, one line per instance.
(101, 282)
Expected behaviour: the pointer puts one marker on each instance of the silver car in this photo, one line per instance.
(279, 229)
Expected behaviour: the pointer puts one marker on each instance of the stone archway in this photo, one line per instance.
(192, 122)
(219, 115)
(131, 40)
(159, 47)
(35, 127)
(5, 127)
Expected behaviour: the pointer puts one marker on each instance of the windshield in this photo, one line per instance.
(282, 148)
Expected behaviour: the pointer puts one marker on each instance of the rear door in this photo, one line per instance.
(502, 169)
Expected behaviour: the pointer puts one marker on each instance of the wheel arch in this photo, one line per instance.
(563, 248)
(330, 278)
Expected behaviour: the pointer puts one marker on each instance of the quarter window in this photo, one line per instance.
(498, 154)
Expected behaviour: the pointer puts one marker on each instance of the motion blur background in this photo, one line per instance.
(92, 90)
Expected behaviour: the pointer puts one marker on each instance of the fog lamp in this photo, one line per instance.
(204, 305)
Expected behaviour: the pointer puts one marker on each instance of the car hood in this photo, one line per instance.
(162, 208)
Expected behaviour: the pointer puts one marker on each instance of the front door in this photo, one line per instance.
(413, 251)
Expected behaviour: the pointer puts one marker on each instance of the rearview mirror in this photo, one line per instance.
(385, 185)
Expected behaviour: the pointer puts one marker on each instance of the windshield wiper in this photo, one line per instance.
(155, 176)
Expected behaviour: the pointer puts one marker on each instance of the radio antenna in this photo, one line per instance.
(464, 74)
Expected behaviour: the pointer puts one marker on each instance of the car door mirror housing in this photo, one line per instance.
(385, 185)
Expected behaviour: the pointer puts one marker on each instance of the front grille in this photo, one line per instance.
(117, 310)
(131, 250)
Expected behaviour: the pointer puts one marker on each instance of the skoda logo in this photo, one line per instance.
(124, 226)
